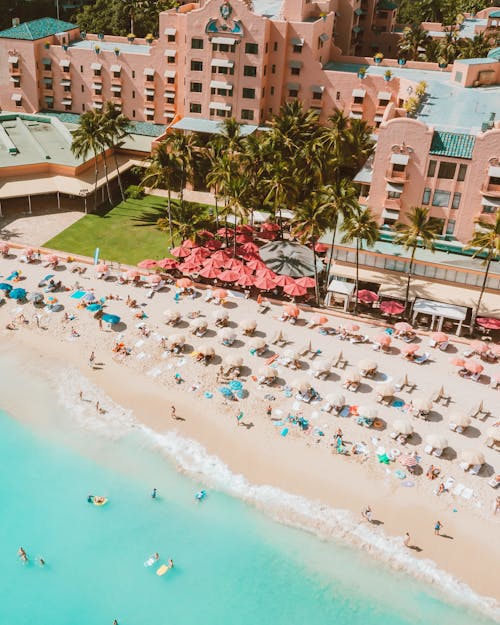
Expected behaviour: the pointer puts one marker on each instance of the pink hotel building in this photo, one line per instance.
(220, 59)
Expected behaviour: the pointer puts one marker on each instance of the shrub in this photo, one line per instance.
(134, 192)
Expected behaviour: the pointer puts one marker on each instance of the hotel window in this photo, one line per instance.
(265, 70)
(19, 102)
(489, 209)
(97, 72)
(133, 73)
(133, 113)
(150, 98)
(273, 69)
(337, 95)
(251, 48)
(456, 200)
(83, 88)
(170, 59)
(171, 80)
(272, 90)
(67, 88)
(150, 78)
(462, 172)
(196, 66)
(275, 46)
(447, 170)
(249, 70)
(450, 228)
(441, 198)
(426, 198)
(359, 99)
(170, 100)
(295, 71)
(67, 107)
(383, 102)
(267, 48)
(116, 74)
(171, 38)
(432, 169)
(222, 92)
(81, 69)
(223, 47)
(194, 107)
(196, 44)
(246, 114)
(196, 87)
(317, 95)
(226, 70)
(394, 195)
(293, 93)
(297, 49)
(133, 95)
(249, 93)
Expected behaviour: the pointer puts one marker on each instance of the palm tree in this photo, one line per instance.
(475, 48)
(338, 199)
(116, 130)
(292, 129)
(164, 171)
(358, 227)
(280, 183)
(360, 145)
(86, 139)
(413, 39)
(485, 240)
(236, 189)
(309, 223)
(188, 219)
(420, 229)
(185, 146)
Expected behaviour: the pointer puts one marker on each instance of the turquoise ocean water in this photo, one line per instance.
(233, 564)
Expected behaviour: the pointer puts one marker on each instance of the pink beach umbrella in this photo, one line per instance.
(189, 267)
(209, 272)
(495, 349)
(408, 461)
(213, 262)
(412, 348)
(221, 256)
(291, 310)
(243, 238)
(184, 283)
(250, 248)
(256, 264)
(457, 361)
(220, 293)
(101, 268)
(282, 280)
(188, 244)
(153, 279)
(270, 226)
(167, 263)
(244, 228)
(132, 274)
(147, 263)
(474, 366)
(180, 252)
(233, 263)
(198, 254)
(382, 339)
(246, 279)
(295, 290)
(265, 272)
(367, 297)
(401, 326)
(393, 308)
(213, 244)
(4, 248)
(320, 248)
(226, 232)
(490, 323)
(308, 283)
(264, 283)
(53, 259)
(228, 275)
(479, 347)
(439, 337)
(353, 327)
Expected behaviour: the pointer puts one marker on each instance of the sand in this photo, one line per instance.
(302, 463)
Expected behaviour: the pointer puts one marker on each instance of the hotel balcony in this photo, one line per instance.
(493, 190)
(14, 71)
(392, 203)
(399, 177)
(47, 73)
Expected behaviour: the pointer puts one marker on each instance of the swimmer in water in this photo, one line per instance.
(41, 561)
(22, 554)
(156, 556)
(153, 494)
(170, 564)
(90, 498)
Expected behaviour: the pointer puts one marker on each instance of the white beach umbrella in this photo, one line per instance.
(227, 334)
(301, 385)
(233, 360)
(401, 426)
(176, 339)
(494, 433)
(386, 390)
(461, 420)
(471, 456)
(257, 343)
(220, 314)
(268, 372)
(248, 325)
(292, 355)
(351, 377)
(367, 365)
(335, 399)
(370, 412)
(322, 364)
(199, 324)
(206, 350)
(437, 441)
(172, 315)
(422, 403)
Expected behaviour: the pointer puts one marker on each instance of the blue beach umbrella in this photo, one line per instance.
(227, 392)
(111, 318)
(89, 297)
(235, 385)
(5, 287)
(94, 307)
(17, 294)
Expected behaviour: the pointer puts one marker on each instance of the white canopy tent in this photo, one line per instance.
(340, 287)
(440, 311)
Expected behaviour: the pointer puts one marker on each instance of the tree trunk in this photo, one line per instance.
(410, 270)
(234, 236)
(169, 209)
(118, 175)
(330, 256)
(316, 287)
(357, 277)
(105, 163)
(475, 315)
(96, 174)
(216, 213)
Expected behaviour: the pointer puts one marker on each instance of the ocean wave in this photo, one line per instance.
(294, 510)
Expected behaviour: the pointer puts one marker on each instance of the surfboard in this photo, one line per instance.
(162, 570)
(100, 503)
(149, 562)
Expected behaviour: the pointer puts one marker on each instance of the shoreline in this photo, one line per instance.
(334, 503)
(300, 465)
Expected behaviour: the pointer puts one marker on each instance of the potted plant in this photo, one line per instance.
(46, 45)
(131, 37)
(100, 36)
(65, 47)
(83, 34)
(323, 16)
(116, 51)
(149, 38)
(442, 63)
(97, 49)
(387, 75)
(420, 88)
(402, 61)
(378, 57)
(361, 72)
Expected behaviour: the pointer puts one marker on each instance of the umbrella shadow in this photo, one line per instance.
(181, 325)
(414, 439)
(121, 326)
(449, 454)
(259, 334)
(364, 388)
(471, 432)
(487, 470)
(434, 417)
(209, 334)
(248, 425)
(245, 371)
(230, 305)
(415, 548)
(60, 268)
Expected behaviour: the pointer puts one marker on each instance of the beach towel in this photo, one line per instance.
(345, 412)
(400, 474)
(383, 459)
(208, 395)
(75, 295)
(284, 431)
(398, 403)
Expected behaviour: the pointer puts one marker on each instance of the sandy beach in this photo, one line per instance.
(303, 462)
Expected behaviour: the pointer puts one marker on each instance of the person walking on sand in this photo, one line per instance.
(239, 417)
(173, 412)
(438, 525)
(366, 513)
(406, 541)
(91, 360)
(269, 411)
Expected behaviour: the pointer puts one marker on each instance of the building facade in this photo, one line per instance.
(437, 128)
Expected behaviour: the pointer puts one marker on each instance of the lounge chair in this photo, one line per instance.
(494, 482)
(305, 349)
(444, 346)
(262, 308)
(475, 469)
(423, 358)
(339, 362)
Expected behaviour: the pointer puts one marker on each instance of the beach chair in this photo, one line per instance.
(262, 308)
(475, 469)
(305, 349)
(423, 358)
(444, 346)
(494, 482)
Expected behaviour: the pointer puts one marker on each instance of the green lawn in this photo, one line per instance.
(126, 233)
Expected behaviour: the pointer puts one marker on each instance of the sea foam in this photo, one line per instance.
(193, 459)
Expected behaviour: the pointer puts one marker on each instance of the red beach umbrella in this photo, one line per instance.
(205, 234)
(410, 349)
(167, 263)
(147, 263)
(291, 310)
(474, 366)
(382, 339)
(221, 255)
(265, 272)
(213, 244)
(184, 283)
(213, 263)
(188, 244)
(180, 252)
(243, 238)
(256, 264)
(320, 248)
(490, 323)
(154, 278)
(101, 268)
(209, 272)
(308, 283)
(244, 228)
(282, 280)
(408, 461)
(223, 232)
(367, 297)
(270, 226)
(401, 326)
(479, 347)
(264, 283)
(199, 254)
(228, 275)
(246, 279)
(189, 267)
(267, 234)
(393, 308)
(233, 263)
(220, 293)
(250, 248)
(457, 361)
(294, 290)
(439, 337)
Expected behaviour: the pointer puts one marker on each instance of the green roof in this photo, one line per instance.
(494, 54)
(37, 29)
(386, 5)
(452, 144)
(494, 14)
